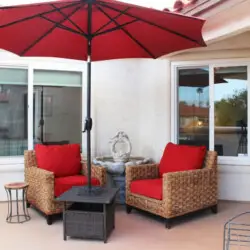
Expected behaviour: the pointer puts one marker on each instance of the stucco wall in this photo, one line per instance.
(133, 96)
(214, 54)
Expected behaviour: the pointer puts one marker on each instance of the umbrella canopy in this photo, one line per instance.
(117, 30)
(93, 30)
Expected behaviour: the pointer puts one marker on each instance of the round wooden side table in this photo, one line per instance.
(21, 213)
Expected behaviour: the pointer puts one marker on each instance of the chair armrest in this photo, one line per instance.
(98, 172)
(139, 172)
(146, 171)
(188, 190)
(39, 174)
(41, 183)
(29, 159)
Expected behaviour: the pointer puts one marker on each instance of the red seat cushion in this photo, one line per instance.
(150, 188)
(63, 184)
(62, 160)
(181, 158)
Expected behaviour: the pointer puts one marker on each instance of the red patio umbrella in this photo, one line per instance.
(93, 30)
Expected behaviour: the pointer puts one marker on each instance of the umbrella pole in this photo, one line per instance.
(88, 122)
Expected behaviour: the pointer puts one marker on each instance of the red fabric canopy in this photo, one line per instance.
(119, 30)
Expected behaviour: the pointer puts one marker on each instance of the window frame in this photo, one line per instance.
(211, 64)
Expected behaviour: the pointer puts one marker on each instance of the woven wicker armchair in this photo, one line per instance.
(182, 192)
(41, 185)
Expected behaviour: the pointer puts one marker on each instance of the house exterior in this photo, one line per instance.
(198, 96)
(226, 33)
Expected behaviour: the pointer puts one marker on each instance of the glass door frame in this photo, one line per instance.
(51, 67)
(212, 64)
(30, 107)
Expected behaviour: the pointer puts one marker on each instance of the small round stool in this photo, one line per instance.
(17, 217)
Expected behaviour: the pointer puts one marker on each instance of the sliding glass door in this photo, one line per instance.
(57, 107)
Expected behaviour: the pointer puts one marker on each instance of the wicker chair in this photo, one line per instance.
(182, 192)
(41, 185)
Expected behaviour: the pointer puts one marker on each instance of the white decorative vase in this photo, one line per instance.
(120, 147)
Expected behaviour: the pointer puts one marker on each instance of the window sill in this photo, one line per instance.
(234, 161)
(11, 160)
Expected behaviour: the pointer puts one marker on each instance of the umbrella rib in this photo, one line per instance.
(72, 22)
(48, 32)
(151, 23)
(37, 15)
(61, 26)
(115, 28)
(109, 22)
(127, 33)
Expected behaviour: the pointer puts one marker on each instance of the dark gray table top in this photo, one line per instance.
(81, 194)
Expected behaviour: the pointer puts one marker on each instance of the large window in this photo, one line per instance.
(213, 108)
(13, 111)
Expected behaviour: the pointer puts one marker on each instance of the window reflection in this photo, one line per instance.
(57, 115)
(13, 111)
(193, 93)
(230, 107)
(57, 107)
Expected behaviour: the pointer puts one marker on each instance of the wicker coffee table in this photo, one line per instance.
(88, 215)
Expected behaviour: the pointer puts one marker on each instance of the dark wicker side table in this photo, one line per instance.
(88, 215)
(17, 217)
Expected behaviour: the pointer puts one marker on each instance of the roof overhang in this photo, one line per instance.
(200, 7)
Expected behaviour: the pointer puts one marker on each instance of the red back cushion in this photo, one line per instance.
(62, 160)
(181, 158)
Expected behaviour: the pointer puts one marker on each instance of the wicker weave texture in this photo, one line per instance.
(183, 192)
(41, 184)
(90, 221)
(84, 224)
